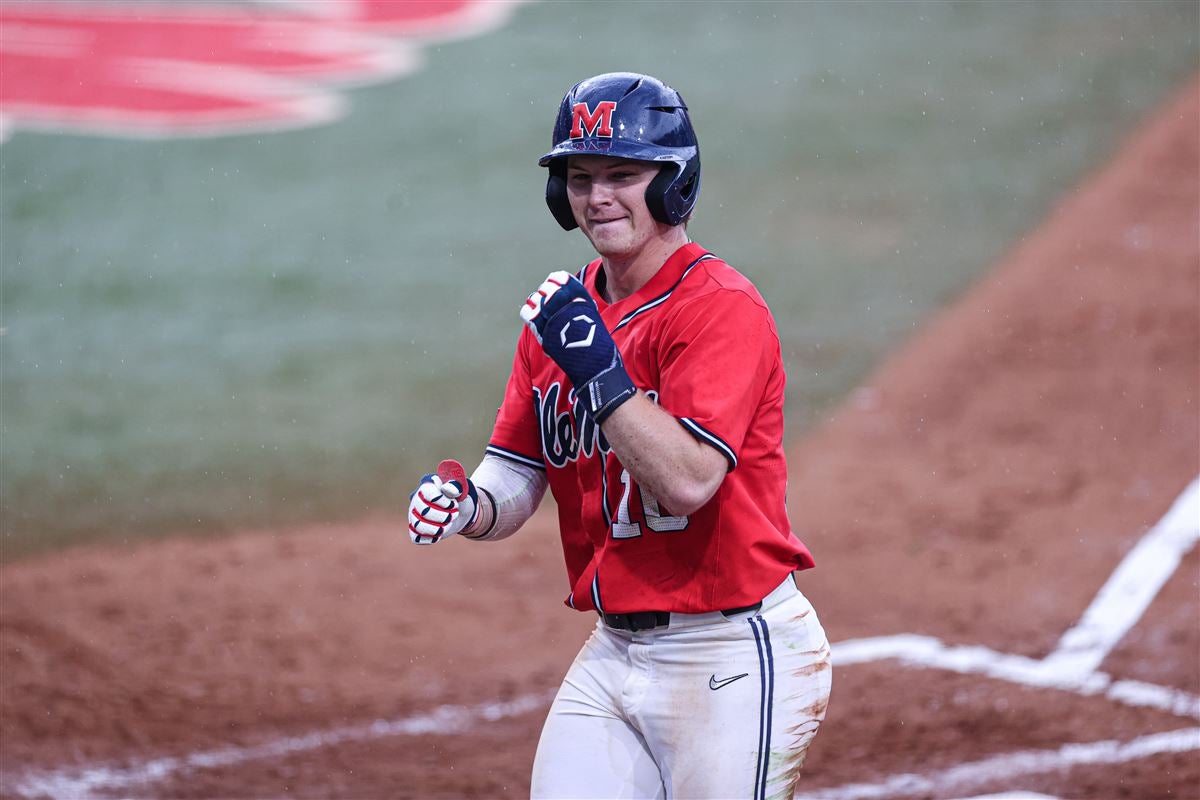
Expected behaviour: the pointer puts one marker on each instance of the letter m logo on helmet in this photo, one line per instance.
(596, 123)
(626, 115)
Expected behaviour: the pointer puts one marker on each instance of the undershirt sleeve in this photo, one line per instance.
(515, 491)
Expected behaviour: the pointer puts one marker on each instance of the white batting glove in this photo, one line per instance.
(438, 509)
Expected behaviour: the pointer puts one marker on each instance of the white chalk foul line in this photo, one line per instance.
(1072, 666)
(926, 651)
(1133, 585)
(977, 774)
(83, 782)
(1117, 607)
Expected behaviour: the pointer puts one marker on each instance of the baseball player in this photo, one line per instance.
(647, 394)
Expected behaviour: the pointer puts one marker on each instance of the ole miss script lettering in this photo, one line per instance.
(700, 341)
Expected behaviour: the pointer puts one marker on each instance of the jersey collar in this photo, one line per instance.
(662, 283)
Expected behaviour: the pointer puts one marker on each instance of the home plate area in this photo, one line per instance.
(1073, 667)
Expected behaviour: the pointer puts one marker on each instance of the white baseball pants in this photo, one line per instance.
(709, 707)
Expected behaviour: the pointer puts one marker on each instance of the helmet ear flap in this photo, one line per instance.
(556, 195)
(673, 192)
(656, 193)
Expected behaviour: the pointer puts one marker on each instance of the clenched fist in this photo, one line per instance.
(567, 324)
(440, 508)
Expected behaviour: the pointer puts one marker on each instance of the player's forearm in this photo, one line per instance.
(663, 458)
(509, 494)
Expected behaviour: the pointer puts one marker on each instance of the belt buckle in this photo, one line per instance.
(638, 620)
(643, 621)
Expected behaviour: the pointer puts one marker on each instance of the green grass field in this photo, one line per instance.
(268, 329)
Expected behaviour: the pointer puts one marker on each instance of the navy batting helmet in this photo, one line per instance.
(627, 115)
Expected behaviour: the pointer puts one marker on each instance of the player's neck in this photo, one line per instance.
(625, 274)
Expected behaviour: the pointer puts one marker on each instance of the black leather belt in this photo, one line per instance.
(648, 620)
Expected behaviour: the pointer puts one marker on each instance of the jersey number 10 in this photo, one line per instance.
(625, 528)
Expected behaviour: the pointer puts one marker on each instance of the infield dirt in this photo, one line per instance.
(980, 489)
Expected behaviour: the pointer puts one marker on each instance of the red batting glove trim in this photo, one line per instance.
(433, 503)
(433, 537)
(437, 523)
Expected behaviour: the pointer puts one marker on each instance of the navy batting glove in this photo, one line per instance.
(565, 320)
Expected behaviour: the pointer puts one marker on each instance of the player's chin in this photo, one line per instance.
(609, 240)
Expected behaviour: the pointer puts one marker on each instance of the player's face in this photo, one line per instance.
(608, 197)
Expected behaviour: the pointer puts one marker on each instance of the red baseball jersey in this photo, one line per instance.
(698, 340)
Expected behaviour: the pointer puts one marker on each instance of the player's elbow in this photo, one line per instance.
(686, 497)
(694, 481)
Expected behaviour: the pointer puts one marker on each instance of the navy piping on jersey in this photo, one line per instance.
(582, 276)
(608, 521)
(766, 671)
(710, 438)
(512, 455)
(662, 298)
(596, 591)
